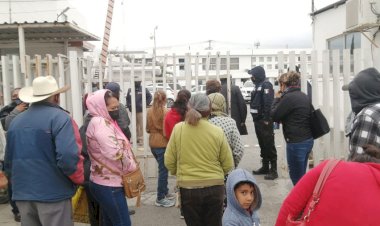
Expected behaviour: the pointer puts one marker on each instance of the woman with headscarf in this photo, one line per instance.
(108, 147)
(222, 120)
(157, 142)
(199, 155)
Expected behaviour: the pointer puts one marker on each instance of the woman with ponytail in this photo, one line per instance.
(199, 155)
(157, 142)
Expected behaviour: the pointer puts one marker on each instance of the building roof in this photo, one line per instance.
(331, 6)
(46, 32)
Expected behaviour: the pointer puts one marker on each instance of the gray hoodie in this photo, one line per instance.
(235, 215)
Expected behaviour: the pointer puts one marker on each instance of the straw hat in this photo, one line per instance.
(42, 88)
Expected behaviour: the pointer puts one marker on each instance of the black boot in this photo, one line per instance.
(263, 170)
(272, 172)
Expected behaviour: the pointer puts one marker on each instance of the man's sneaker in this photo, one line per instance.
(170, 196)
(164, 202)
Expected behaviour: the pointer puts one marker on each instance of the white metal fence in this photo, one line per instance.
(328, 72)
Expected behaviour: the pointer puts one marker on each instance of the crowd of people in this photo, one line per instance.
(199, 141)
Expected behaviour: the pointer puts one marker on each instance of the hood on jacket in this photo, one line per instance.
(235, 177)
(364, 89)
(96, 104)
(258, 73)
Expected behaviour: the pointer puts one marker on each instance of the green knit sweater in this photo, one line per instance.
(198, 155)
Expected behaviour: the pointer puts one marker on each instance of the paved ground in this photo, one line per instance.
(149, 215)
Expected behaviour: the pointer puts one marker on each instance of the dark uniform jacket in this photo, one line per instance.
(261, 99)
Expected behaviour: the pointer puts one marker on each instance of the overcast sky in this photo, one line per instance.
(273, 23)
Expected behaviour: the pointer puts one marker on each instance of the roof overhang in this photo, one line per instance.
(45, 32)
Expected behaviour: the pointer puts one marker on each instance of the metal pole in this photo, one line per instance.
(10, 11)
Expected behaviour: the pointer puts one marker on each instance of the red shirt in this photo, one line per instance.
(171, 118)
(351, 196)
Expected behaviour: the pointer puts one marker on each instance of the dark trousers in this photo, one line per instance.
(203, 206)
(265, 136)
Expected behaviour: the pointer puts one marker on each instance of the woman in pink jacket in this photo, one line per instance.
(108, 148)
(350, 196)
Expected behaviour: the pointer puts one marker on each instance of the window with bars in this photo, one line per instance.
(234, 63)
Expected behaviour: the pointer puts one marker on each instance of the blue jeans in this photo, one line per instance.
(297, 155)
(113, 205)
(162, 185)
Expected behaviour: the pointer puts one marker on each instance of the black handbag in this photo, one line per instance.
(319, 124)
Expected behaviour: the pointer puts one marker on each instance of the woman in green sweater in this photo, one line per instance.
(199, 155)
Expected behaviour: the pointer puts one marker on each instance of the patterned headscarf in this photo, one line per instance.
(218, 104)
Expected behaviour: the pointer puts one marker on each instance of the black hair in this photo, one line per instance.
(244, 182)
(108, 95)
(180, 104)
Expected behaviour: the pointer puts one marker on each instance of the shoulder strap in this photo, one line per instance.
(323, 177)
(329, 167)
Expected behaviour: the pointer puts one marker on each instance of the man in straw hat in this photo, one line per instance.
(43, 156)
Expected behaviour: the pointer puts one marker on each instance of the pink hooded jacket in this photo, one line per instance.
(107, 144)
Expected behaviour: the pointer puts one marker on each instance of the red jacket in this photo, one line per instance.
(351, 196)
(171, 118)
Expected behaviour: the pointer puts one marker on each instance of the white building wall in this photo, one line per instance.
(328, 24)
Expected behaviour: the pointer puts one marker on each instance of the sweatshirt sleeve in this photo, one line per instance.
(68, 148)
(281, 107)
(225, 156)
(299, 196)
(170, 157)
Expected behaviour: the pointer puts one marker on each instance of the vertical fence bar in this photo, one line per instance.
(175, 69)
(188, 68)
(121, 78)
(196, 70)
(217, 65)
(317, 154)
(38, 65)
(61, 79)
(133, 100)
(303, 70)
(326, 140)
(228, 61)
(16, 72)
(280, 57)
(49, 65)
(144, 104)
(75, 88)
(110, 69)
(28, 71)
(100, 79)
(292, 61)
(357, 61)
(207, 68)
(89, 63)
(6, 80)
(346, 97)
(336, 107)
